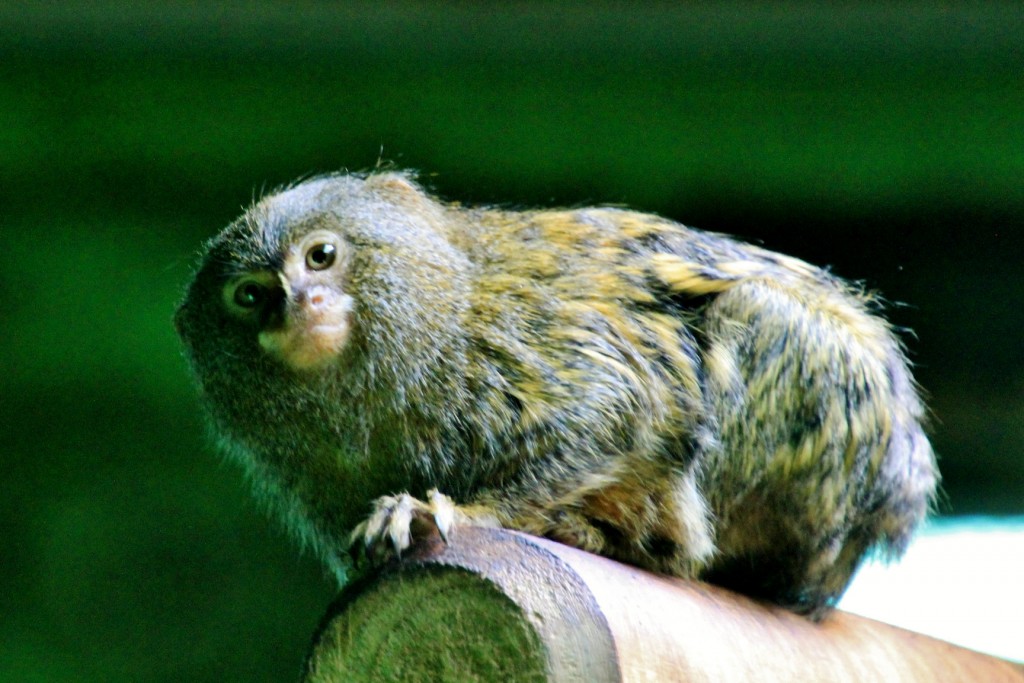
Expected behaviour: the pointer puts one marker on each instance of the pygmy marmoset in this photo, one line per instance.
(613, 380)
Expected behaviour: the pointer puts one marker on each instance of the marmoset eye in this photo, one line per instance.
(250, 294)
(321, 256)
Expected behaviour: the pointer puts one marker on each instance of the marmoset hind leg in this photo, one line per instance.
(822, 455)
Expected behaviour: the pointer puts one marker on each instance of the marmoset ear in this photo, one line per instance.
(395, 183)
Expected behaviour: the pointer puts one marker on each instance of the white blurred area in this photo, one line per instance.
(962, 580)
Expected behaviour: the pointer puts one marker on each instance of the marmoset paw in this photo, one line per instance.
(397, 521)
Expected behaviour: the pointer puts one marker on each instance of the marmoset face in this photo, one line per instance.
(274, 284)
(299, 312)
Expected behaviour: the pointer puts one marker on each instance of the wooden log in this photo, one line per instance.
(496, 605)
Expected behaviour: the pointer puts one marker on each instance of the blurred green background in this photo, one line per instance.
(886, 140)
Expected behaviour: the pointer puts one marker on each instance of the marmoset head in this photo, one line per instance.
(317, 294)
(271, 286)
(296, 305)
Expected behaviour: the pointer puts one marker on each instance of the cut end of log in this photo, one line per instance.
(448, 625)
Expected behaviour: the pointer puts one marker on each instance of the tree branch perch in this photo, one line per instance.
(496, 605)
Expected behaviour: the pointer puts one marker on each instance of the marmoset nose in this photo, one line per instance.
(313, 298)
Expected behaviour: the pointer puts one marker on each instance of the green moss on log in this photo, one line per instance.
(446, 626)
